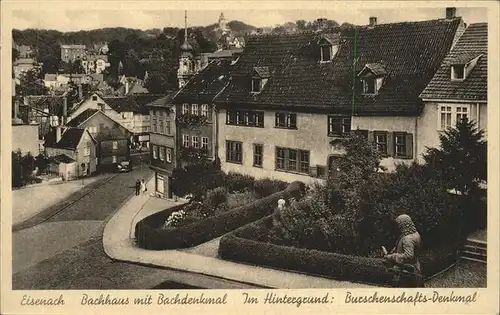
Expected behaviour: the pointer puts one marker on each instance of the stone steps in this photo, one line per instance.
(475, 250)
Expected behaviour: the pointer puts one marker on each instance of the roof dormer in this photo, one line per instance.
(462, 65)
(372, 76)
(259, 78)
(329, 46)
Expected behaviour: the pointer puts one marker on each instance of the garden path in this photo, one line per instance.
(118, 244)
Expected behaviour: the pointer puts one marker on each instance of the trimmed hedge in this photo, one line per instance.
(249, 244)
(149, 235)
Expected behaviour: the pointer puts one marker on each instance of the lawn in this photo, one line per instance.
(466, 274)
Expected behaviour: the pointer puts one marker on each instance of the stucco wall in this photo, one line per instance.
(389, 124)
(25, 138)
(311, 135)
(428, 123)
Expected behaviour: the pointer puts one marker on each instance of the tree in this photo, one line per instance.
(31, 83)
(50, 64)
(157, 82)
(301, 25)
(22, 168)
(461, 158)
(15, 54)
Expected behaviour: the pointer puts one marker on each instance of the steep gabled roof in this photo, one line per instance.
(62, 158)
(69, 139)
(78, 120)
(206, 84)
(472, 44)
(411, 52)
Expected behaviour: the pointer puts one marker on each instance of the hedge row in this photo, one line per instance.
(248, 244)
(151, 236)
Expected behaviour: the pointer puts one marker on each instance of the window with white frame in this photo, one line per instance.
(204, 110)
(169, 155)
(194, 109)
(204, 142)
(115, 145)
(381, 142)
(155, 151)
(162, 153)
(196, 142)
(458, 72)
(400, 145)
(168, 127)
(185, 141)
(86, 150)
(114, 159)
(449, 115)
(185, 108)
(160, 127)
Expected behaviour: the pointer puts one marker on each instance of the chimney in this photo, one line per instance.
(65, 107)
(451, 13)
(58, 133)
(373, 21)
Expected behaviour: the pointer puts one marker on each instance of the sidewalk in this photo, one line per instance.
(119, 244)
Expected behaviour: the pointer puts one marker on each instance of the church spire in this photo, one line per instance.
(185, 46)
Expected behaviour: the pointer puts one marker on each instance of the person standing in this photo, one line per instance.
(137, 187)
(143, 186)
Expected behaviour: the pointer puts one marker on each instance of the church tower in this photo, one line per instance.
(186, 60)
(222, 23)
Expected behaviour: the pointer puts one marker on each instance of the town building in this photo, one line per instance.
(72, 152)
(458, 90)
(22, 65)
(293, 97)
(113, 140)
(163, 144)
(72, 52)
(196, 119)
(129, 111)
(24, 135)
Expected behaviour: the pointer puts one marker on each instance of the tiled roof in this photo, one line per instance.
(69, 139)
(376, 68)
(333, 39)
(165, 101)
(136, 103)
(262, 72)
(472, 43)
(410, 51)
(62, 158)
(206, 84)
(464, 58)
(86, 114)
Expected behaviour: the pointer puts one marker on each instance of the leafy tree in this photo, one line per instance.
(31, 83)
(196, 179)
(461, 159)
(301, 25)
(22, 168)
(15, 54)
(50, 64)
(157, 82)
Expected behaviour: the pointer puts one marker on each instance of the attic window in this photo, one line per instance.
(256, 85)
(462, 65)
(372, 77)
(326, 53)
(259, 78)
(458, 72)
(328, 47)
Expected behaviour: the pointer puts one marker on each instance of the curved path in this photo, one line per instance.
(118, 244)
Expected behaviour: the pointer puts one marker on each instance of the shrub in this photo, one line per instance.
(196, 179)
(149, 235)
(215, 197)
(266, 187)
(237, 199)
(237, 182)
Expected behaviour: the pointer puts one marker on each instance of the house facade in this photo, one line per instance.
(196, 118)
(459, 89)
(163, 153)
(78, 145)
(292, 98)
(113, 140)
(72, 52)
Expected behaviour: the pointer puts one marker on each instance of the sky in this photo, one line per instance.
(74, 20)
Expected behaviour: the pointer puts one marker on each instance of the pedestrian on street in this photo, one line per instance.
(143, 186)
(137, 187)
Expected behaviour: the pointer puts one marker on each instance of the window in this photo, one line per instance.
(154, 126)
(115, 145)
(256, 85)
(400, 144)
(204, 110)
(445, 114)
(194, 109)
(369, 86)
(160, 128)
(234, 151)
(94, 98)
(326, 53)
(339, 126)
(461, 113)
(245, 118)
(292, 160)
(458, 72)
(168, 127)
(160, 113)
(185, 140)
(204, 142)
(155, 152)
(257, 155)
(162, 153)
(381, 141)
(114, 159)
(185, 108)
(86, 151)
(169, 155)
(196, 141)
(286, 120)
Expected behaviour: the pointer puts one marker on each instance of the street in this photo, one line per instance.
(65, 252)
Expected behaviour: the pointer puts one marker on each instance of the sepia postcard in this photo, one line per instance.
(277, 157)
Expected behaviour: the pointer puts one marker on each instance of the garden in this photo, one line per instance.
(219, 203)
(337, 229)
